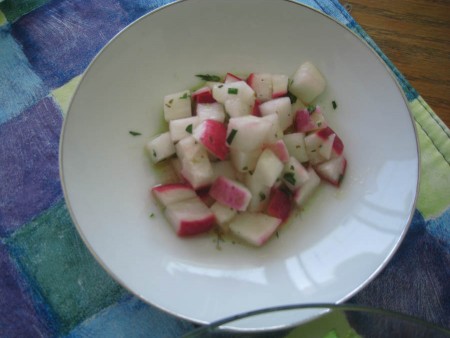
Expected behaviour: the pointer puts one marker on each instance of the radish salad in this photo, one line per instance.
(247, 152)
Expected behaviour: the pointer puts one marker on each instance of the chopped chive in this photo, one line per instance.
(245, 168)
(276, 233)
(290, 178)
(208, 77)
(292, 97)
(334, 104)
(152, 215)
(168, 105)
(184, 96)
(232, 91)
(250, 172)
(311, 109)
(171, 100)
(189, 128)
(262, 196)
(154, 153)
(231, 136)
(134, 133)
(220, 86)
(292, 167)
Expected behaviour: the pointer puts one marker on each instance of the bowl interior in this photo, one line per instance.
(328, 251)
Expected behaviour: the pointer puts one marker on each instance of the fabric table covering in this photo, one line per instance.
(50, 285)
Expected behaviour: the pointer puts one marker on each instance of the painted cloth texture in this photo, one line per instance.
(50, 285)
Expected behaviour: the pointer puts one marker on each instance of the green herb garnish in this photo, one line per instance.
(154, 153)
(290, 178)
(134, 133)
(152, 215)
(189, 128)
(262, 196)
(232, 91)
(184, 96)
(311, 109)
(208, 77)
(245, 168)
(292, 97)
(334, 104)
(231, 136)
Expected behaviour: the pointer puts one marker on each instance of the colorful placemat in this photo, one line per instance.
(50, 285)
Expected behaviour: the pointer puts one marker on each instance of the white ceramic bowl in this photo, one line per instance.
(333, 249)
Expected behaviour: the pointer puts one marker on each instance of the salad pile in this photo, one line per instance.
(247, 151)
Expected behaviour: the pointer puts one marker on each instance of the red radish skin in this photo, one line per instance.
(191, 228)
(280, 204)
(203, 95)
(303, 121)
(255, 110)
(338, 145)
(213, 135)
(231, 78)
(280, 150)
(190, 217)
(172, 193)
(332, 171)
(230, 193)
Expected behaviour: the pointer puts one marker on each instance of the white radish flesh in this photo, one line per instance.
(307, 83)
(161, 147)
(177, 105)
(254, 228)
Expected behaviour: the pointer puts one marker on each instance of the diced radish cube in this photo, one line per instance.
(237, 107)
(308, 188)
(262, 85)
(231, 78)
(330, 137)
(332, 170)
(171, 193)
(210, 111)
(234, 90)
(195, 165)
(279, 85)
(247, 133)
(224, 168)
(260, 193)
(213, 135)
(294, 174)
(307, 83)
(279, 148)
(189, 148)
(203, 95)
(275, 132)
(307, 120)
(182, 128)
(295, 144)
(268, 168)
(190, 217)
(224, 214)
(327, 147)
(161, 147)
(280, 106)
(254, 228)
(244, 161)
(177, 106)
(280, 204)
(230, 193)
(313, 144)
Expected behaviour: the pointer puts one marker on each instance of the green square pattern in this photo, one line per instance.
(52, 254)
(14, 9)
